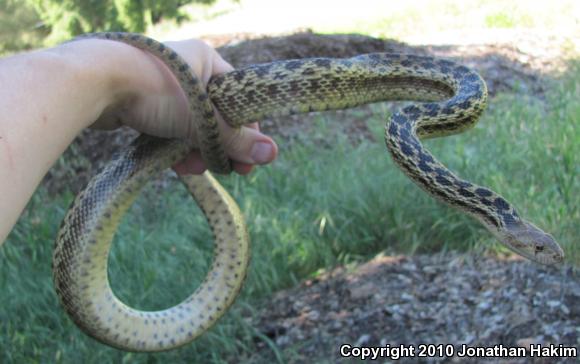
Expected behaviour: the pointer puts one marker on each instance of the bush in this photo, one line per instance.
(67, 18)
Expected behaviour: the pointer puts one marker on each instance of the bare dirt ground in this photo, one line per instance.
(396, 300)
(430, 299)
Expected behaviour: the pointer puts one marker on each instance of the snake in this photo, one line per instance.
(445, 98)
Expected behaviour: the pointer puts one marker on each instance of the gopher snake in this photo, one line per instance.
(453, 97)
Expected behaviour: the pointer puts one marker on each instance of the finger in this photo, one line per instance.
(247, 145)
(253, 126)
(242, 168)
(219, 65)
(192, 164)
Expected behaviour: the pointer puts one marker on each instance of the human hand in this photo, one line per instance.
(153, 102)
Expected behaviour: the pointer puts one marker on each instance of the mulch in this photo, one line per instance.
(441, 299)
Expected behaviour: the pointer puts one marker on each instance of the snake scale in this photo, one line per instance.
(450, 99)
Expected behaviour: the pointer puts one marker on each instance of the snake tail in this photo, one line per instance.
(82, 250)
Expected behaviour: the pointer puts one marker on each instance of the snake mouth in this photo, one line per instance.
(541, 257)
(551, 259)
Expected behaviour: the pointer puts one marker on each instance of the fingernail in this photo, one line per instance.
(261, 152)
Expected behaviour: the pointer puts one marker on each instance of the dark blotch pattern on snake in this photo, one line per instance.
(449, 99)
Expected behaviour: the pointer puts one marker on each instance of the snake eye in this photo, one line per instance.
(539, 248)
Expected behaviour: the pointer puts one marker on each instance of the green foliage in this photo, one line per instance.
(19, 27)
(67, 18)
(499, 20)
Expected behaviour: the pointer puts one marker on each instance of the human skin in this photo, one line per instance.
(47, 97)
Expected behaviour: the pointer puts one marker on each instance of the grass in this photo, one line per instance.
(314, 208)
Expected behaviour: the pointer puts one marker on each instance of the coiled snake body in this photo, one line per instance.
(452, 98)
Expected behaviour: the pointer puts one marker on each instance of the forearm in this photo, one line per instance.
(47, 97)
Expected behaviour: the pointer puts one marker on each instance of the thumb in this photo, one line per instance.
(247, 145)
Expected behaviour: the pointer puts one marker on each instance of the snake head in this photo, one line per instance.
(531, 242)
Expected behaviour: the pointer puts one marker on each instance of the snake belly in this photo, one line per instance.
(84, 241)
(452, 98)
